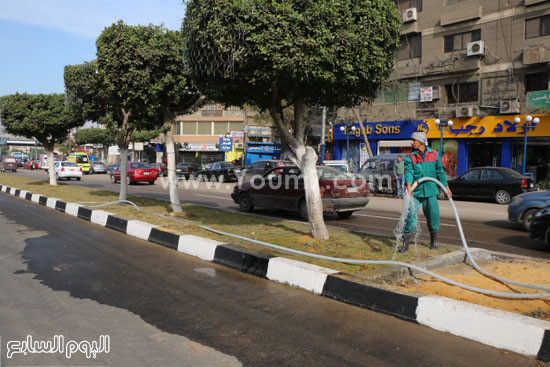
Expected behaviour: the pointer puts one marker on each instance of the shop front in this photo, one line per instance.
(201, 153)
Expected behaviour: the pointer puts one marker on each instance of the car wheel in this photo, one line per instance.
(344, 215)
(151, 182)
(245, 203)
(302, 208)
(113, 179)
(502, 197)
(78, 178)
(527, 219)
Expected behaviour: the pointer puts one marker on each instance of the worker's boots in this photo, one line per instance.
(433, 240)
(406, 240)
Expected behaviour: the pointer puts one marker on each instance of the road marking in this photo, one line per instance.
(378, 216)
(213, 197)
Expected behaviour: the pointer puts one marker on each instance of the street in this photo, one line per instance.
(485, 224)
(63, 276)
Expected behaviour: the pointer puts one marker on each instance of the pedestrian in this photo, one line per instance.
(399, 172)
(423, 161)
(267, 166)
(327, 155)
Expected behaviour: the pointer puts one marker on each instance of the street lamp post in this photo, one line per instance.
(530, 122)
(442, 124)
(344, 129)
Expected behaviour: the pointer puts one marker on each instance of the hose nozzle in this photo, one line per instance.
(414, 186)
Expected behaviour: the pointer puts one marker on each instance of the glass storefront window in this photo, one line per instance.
(483, 153)
(538, 158)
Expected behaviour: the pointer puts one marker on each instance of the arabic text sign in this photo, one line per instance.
(426, 94)
(490, 127)
(540, 98)
(226, 144)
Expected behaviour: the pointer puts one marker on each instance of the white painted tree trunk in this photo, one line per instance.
(123, 195)
(308, 164)
(51, 166)
(172, 178)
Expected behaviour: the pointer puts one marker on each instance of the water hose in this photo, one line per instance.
(363, 262)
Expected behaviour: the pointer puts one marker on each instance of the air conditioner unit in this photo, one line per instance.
(464, 111)
(239, 145)
(475, 48)
(509, 105)
(409, 15)
(436, 92)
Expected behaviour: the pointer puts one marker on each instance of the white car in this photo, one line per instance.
(68, 170)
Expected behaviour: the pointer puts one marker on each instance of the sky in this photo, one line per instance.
(39, 37)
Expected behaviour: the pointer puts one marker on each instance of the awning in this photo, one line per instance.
(394, 143)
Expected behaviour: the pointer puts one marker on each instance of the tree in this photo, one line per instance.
(94, 136)
(274, 54)
(41, 116)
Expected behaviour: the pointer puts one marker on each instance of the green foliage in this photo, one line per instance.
(324, 52)
(544, 184)
(83, 91)
(41, 116)
(94, 136)
(143, 136)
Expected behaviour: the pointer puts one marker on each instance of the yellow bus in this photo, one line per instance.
(82, 160)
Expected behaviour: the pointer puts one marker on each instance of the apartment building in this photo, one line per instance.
(483, 64)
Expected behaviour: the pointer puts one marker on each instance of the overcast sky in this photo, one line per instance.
(39, 37)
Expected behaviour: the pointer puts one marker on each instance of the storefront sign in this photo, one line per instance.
(259, 131)
(264, 148)
(393, 130)
(200, 147)
(236, 134)
(490, 127)
(226, 144)
(426, 94)
(538, 99)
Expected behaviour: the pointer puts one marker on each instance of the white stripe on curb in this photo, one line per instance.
(23, 193)
(72, 209)
(35, 198)
(203, 248)
(500, 329)
(4, 188)
(139, 229)
(100, 217)
(50, 203)
(298, 274)
(12, 191)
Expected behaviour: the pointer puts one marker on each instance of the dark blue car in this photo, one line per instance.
(524, 206)
(540, 227)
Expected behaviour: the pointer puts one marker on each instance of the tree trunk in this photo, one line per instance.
(172, 178)
(364, 131)
(308, 161)
(51, 163)
(123, 195)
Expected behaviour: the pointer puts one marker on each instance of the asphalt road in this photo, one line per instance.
(63, 276)
(485, 224)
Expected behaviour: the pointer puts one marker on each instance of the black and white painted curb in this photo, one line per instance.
(500, 329)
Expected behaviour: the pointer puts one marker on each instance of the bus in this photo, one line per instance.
(82, 160)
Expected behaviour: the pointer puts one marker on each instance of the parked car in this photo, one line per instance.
(378, 171)
(540, 227)
(338, 164)
(98, 167)
(492, 183)
(137, 172)
(113, 167)
(523, 207)
(32, 165)
(161, 169)
(187, 169)
(9, 163)
(258, 168)
(68, 170)
(221, 171)
(283, 188)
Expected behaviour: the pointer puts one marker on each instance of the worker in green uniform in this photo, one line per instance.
(423, 161)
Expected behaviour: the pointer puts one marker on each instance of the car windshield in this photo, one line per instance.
(139, 165)
(153, 165)
(69, 164)
(226, 164)
(99, 164)
(331, 173)
(340, 167)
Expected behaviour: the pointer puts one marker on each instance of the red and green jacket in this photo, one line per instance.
(417, 167)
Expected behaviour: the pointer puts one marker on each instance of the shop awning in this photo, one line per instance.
(394, 143)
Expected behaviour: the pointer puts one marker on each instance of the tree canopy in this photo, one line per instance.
(94, 136)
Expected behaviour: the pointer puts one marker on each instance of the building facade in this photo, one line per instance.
(480, 63)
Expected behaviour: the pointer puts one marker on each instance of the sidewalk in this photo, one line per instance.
(501, 329)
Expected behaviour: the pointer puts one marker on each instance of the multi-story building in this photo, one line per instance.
(479, 63)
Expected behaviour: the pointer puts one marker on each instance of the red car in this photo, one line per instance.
(32, 164)
(137, 172)
(283, 188)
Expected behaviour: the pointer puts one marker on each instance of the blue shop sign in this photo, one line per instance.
(226, 144)
(391, 130)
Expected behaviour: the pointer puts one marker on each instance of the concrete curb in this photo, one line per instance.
(500, 329)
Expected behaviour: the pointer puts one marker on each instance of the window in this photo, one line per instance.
(471, 175)
(189, 128)
(451, 2)
(462, 92)
(491, 174)
(411, 46)
(393, 94)
(534, 82)
(458, 42)
(537, 27)
(402, 5)
(220, 128)
(205, 128)
(178, 128)
(235, 126)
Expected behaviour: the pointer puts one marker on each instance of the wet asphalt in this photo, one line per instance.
(61, 275)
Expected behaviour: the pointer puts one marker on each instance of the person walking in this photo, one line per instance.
(423, 161)
(399, 172)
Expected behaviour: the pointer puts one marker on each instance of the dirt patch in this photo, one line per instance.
(526, 271)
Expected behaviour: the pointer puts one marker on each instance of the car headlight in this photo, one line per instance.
(516, 200)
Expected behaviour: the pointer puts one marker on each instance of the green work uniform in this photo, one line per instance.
(417, 166)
